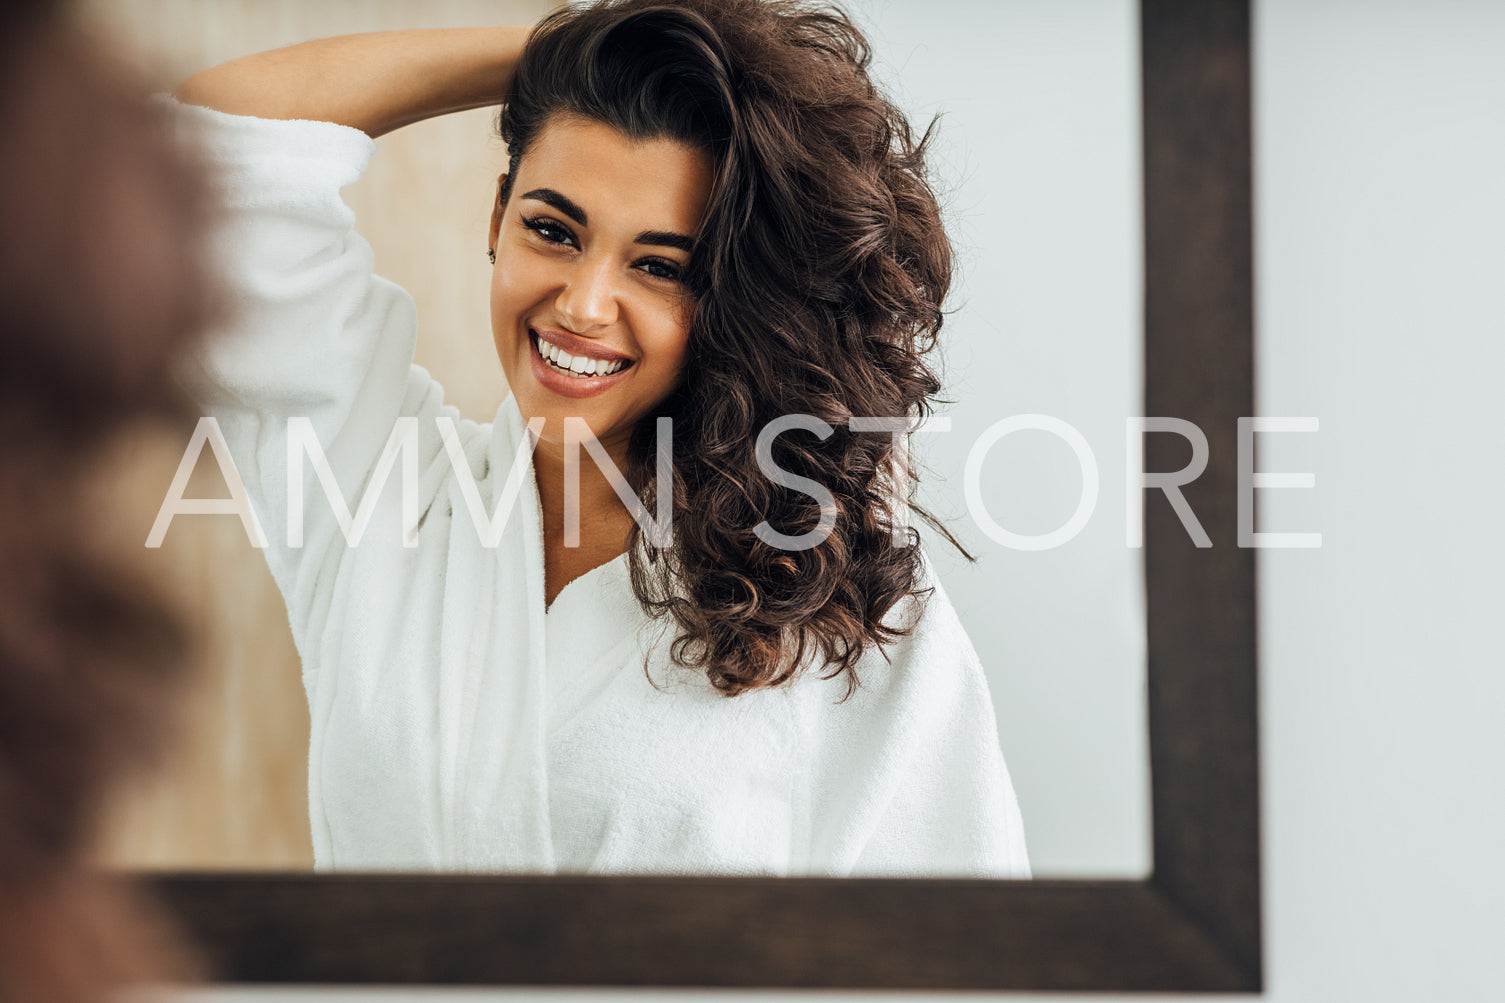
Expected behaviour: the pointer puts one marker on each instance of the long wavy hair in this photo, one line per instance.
(818, 277)
(102, 285)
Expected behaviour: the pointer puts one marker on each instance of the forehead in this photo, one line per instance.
(620, 182)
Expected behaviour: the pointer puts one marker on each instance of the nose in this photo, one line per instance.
(589, 297)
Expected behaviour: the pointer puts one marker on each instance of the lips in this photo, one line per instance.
(572, 386)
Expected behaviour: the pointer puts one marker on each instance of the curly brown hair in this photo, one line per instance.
(819, 275)
(100, 287)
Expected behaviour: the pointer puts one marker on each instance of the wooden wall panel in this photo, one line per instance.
(233, 794)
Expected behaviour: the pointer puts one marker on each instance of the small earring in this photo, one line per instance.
(491, 254)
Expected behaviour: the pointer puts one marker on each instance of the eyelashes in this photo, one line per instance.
(666, 270)
(553, 232)
(549, 230)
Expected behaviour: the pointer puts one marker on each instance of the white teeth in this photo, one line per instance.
(576, 365)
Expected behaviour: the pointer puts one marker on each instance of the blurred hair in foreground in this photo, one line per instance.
(101, 285)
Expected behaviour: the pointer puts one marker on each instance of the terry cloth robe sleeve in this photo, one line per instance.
(423, 664)
(314, 335)
(909, 779)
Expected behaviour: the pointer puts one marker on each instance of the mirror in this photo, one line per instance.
(1193, 924)
(1036, 157)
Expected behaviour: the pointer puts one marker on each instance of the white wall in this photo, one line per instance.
(1381, 221)
(1037, 159)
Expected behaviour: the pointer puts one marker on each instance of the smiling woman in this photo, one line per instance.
(589, 296)
(717, 197)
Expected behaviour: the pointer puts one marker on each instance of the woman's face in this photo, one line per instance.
(591, 250)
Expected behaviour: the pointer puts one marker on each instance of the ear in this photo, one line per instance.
(497, 209)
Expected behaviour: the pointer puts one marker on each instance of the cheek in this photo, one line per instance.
(503, 291)
(517, 282)
(669, 345)
(669, 332)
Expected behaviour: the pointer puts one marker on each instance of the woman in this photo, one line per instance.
(709, 207)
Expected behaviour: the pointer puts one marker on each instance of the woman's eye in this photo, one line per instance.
(549, 230)
(661, 269)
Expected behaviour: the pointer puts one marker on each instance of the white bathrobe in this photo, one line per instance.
(457, 725)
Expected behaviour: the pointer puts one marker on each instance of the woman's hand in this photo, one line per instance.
(375, 82)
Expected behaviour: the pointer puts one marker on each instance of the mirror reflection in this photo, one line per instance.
(587, 496)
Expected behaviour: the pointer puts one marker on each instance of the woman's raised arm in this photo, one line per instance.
(375, 82)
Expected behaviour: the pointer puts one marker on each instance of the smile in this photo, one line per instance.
(573, 376)
(574, 365)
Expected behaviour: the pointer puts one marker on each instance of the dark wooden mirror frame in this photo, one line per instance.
(1194, 924)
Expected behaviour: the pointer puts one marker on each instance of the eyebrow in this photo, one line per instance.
(655, 238)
